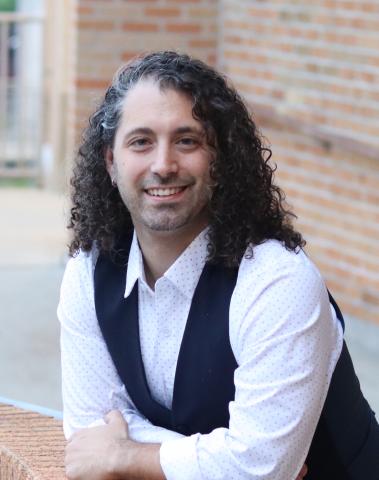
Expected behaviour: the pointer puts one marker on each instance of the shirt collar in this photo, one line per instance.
(184, 273)
(135, 268)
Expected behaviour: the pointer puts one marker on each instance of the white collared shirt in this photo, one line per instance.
(284, 335)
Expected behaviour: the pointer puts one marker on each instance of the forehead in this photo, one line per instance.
(148, 105)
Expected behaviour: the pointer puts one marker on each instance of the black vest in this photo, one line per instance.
(346, 441)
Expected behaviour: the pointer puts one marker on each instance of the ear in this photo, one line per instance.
(109, 163)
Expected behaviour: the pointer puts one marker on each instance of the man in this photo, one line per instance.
(192, 321)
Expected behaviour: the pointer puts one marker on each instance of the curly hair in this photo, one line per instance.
(246, 207)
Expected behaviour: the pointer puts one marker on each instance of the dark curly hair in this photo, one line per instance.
(246, 207)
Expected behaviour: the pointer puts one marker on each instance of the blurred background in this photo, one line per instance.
(310, 73)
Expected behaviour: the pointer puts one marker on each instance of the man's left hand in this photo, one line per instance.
(93, 453)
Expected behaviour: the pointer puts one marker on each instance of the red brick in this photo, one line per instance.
(262, 13)
(91, 83)
(140, 27)
(82, 10)
(162, 12)
(183, 28)
(126, 56)
(199, 43)
(233, 39)
(205, 12)
(95, 25)
(371, 297)
(362, 313)
(212, 59)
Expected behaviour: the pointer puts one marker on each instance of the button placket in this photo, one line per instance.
(167, 337)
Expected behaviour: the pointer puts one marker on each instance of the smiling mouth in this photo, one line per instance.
(164, 192)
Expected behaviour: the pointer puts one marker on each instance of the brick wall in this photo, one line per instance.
(335, 195)
(310, 71)
(110, 32)
(317, 61)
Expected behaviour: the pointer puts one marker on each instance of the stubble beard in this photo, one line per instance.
(168, 218)
(164, 221)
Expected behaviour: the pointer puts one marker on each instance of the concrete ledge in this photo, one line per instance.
(31, 445)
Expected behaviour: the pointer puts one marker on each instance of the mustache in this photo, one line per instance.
(166, 181)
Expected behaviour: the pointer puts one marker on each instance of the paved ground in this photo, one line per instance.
(32, 259)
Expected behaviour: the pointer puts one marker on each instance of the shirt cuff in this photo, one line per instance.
(141, 430)
(178, 459)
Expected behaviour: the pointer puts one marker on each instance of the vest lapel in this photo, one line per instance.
(206, 362)
(118, 321)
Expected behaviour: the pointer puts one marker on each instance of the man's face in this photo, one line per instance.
(160, 161)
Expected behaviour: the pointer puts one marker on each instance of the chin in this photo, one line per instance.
(166, 226)
(168, 223)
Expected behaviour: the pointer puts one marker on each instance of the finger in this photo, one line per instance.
(114, 416)
(115, 419)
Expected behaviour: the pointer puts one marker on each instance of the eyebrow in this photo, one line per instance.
(149, 131)
(188, 129)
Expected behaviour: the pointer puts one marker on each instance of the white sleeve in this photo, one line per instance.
(91, 386)
(286, 341)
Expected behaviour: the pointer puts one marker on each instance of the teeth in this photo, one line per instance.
(163, 192)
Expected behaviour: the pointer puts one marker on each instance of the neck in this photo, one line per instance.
(161, 249)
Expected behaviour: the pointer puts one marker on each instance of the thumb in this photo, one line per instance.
(114, 417)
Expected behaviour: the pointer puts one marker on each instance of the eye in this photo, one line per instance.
(188, 142)
(140, 144)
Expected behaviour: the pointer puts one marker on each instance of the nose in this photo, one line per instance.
(164, 162)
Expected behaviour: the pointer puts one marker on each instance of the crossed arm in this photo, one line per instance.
(107, 453)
